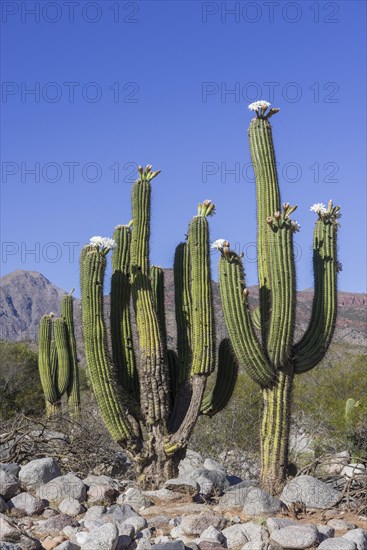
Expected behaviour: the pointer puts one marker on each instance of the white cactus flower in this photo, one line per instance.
(319, 208)
(295, 225)
(104, 242)
(218, 244)
(261, 104)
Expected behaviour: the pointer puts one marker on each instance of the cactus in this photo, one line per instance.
(271, 357)
(150, 399)
(57, 359)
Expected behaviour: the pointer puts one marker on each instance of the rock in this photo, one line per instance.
(67, 545)
(325, 532)
(312, 492)
(353, 470)
(158, 522)
(135, 498)
(211, 533)
(67, 486)
(3, 506)
(235, 536)
(260, 502)
(80, 537)
(255, 532)
(192, 460)
(100, 488)
(296, 536)
(10, 532)
(211, 482)
(49, 543)
(359, 537)
(39, 472)
(12, 468)
(341, 524)
(169, 545)
(255, 545)
(210, 464)
(195, 524)
(125, 517)
(104, 538)
(209, 544)
(182, 485)
(235, 496)
(27, 502)
(71, 507)
(9, 485)
(278, 523)
(8, 546)
(54, 525)
(95, 512)
(338, 543)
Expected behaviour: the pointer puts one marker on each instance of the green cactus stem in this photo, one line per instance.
(273, 362)
(47, 362)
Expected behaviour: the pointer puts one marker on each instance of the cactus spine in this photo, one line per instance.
(57, 359)
(150, 401)
(273, 358)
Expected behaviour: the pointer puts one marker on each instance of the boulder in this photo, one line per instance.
(182, 485)
(260, 502)
(9, 485)
(235, 536)
(67, 545)
(352, 470)
(169, 545)
(12, 468)
(104, 538)
(195, 524)
(358, 536)
(338, 543)
(125, 518)
(255, 532)
(53, 526)
(235, 496)
(341, 524)
(135, 498)
(211, 482)
(312, 492)
(100, 488)
(278, 523)
(39, 472)
(211, 533)
(67, 486)
(325, 532)
(28, 503)
(71, 507)
(296, 536)
(192, 460)
(210, 464)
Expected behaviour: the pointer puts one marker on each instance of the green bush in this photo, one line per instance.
(20, 386)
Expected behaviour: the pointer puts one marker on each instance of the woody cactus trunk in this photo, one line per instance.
(57, 359)
(151, 397)
(263, 339)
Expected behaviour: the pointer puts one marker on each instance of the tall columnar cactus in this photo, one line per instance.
(150, 398)
(270, 356)
(57, 359)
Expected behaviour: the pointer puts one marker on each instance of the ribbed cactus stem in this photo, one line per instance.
(203, 360)
(225, 382)
(61, 342)
(154, 385)
(73, 391)
(157, 280)
(268, 202)
(100, 368)
(183, 310)
(47, 363)
(238, 320)
(121, 332)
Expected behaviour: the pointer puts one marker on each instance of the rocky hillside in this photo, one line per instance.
(27, 295)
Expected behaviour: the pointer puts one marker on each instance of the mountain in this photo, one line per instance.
(27, 295)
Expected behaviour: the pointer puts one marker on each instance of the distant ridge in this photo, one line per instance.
(27, 295)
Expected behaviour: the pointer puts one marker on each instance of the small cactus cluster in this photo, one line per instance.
(151, 400)
(58, 365)
(263, 339)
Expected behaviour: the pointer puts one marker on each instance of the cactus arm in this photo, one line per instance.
(157, 281)
(219, 397)
(283, 299)
(61, 342)
(73, 391)
(121, 332)
(268, 201)
(203, 357)
(238, 320)
(154, 379)
(312, 347)
(183, 310)
(114, 410)
(45, 364)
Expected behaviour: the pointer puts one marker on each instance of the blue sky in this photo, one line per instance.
(168, 83)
